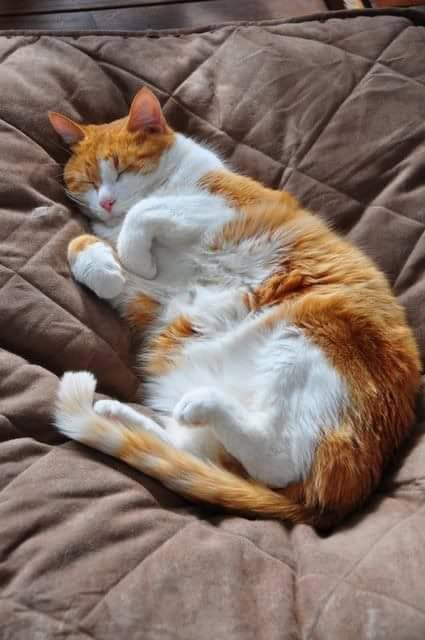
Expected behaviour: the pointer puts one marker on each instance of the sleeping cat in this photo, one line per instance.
(275, 356)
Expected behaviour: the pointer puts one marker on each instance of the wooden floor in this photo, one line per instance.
(145, 14)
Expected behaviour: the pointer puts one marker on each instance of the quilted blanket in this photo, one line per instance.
(329, 109)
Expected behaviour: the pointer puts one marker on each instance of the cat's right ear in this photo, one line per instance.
(69, 131)
(146, 114)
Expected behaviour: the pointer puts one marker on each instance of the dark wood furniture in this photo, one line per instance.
(145, 14)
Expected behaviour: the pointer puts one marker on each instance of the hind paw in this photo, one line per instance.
(110, 409)
(200, 407)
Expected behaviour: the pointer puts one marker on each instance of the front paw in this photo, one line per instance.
(97, 268)
(108, 284)
(201, 407)
(136, 256)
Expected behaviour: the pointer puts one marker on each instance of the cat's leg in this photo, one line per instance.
(249, 436)
(94, 264)
(199, 442)
(270, 395)
(210, 406)
(140, 228)
(126, 414)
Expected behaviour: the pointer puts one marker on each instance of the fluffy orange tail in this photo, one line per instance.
(178, 470)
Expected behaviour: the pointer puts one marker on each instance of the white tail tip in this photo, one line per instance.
(74, 403)
(76, 391)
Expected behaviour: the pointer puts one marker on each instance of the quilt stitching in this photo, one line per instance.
(243, 538)
(197, 67)
(386, 596)
(19, 46)
(331, 593)
(42, 247)
(138, 565)
(10, 234)
(347, 97)
(400, 273)
(348, 196)
(226, 133)
(57, 621)
(40, 457)
(331, 45)
(101, 61)
(82, 325)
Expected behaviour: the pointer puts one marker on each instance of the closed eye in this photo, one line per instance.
(122, 172)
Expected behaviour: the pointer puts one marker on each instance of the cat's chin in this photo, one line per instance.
(112, 220)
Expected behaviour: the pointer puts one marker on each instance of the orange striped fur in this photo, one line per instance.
(163, 347)
(141, 311)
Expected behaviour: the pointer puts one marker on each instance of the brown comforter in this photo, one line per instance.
(332, 110)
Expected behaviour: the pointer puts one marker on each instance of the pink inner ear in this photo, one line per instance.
(69, 131)
(146, 114)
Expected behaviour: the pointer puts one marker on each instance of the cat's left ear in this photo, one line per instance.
(146, 114)
(69, 131)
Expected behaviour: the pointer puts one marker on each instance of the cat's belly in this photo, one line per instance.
(277, 375)
(206, 286)
(226, 357)
(248, 262)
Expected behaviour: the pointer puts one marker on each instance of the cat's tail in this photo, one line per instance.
(180, 471)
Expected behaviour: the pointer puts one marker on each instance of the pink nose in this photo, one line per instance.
(107, 204)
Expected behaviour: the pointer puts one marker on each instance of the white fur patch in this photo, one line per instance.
(75, 418)
(129, 416)
(97, 268)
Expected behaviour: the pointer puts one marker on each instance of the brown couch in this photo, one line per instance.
(332, 109)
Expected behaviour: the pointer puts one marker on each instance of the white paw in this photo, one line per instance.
(199, 408)
(97, 268)
(108, 284)
(110, 409)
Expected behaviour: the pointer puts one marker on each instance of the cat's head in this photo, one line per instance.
(111, 163)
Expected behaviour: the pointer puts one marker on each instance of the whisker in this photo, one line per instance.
(77, 200)
(56, 175)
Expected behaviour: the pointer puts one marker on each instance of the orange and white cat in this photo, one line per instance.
(275, 356)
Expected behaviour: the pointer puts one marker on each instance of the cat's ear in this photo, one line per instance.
(146, 114)
(69, 131)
